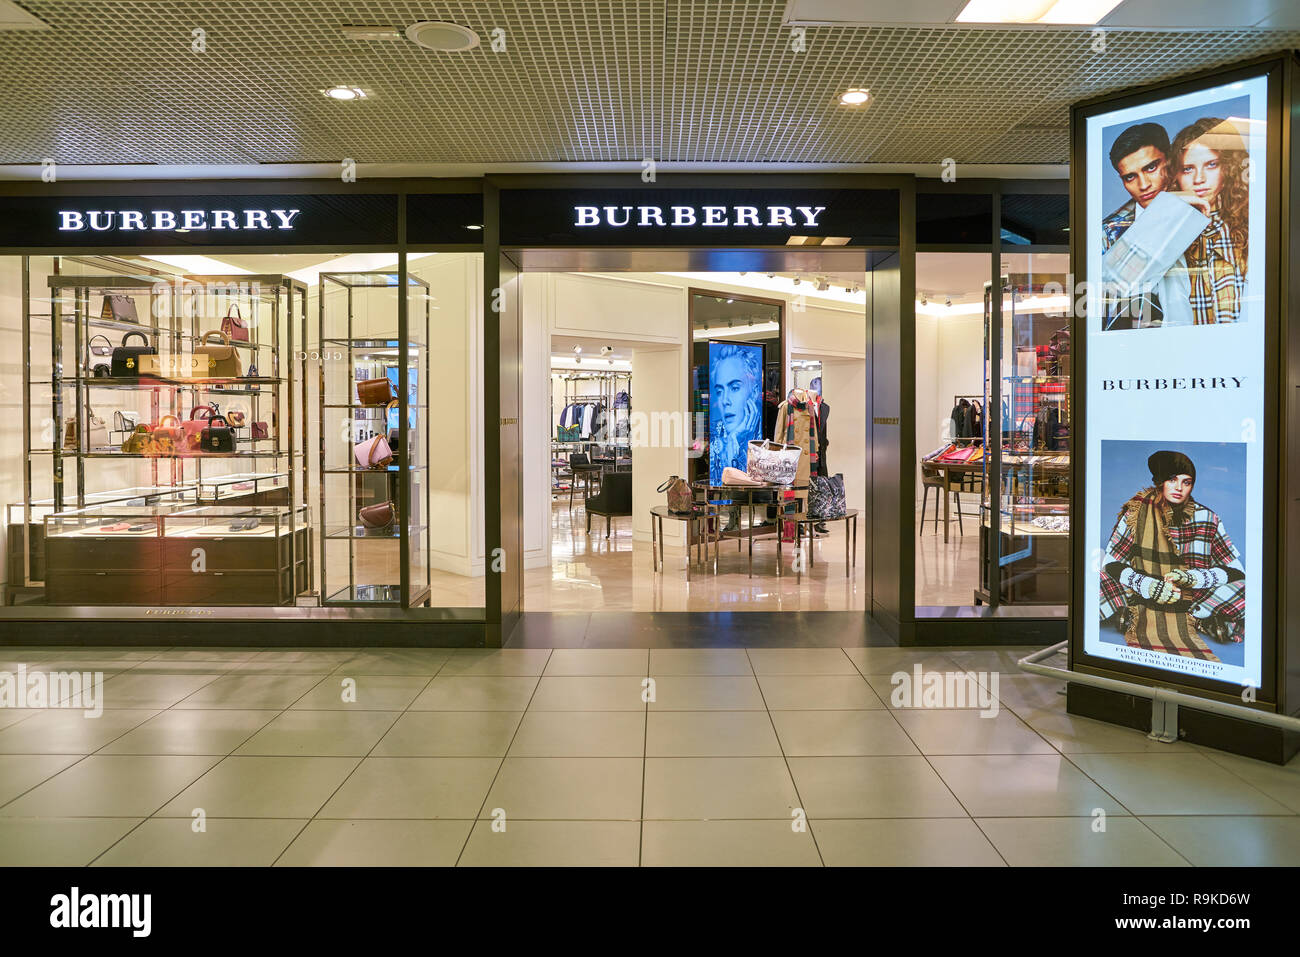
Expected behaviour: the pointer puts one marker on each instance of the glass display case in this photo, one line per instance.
(374, 414)
(177, 554)
(1025, 508)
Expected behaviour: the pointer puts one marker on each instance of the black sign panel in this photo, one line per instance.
(333, 219)
(649, 216)
(440, 219)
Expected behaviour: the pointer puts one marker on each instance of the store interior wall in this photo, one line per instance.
(11, 396)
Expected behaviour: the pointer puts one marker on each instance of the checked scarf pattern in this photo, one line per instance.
(1154, 538)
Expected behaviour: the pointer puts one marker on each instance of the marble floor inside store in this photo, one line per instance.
(736, 742)
(590, 572)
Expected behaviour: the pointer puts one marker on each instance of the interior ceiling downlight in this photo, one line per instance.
(442, 36)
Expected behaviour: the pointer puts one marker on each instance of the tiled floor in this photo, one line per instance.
(605, 756)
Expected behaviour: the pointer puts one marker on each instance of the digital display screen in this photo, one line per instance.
(1175, 237)
(735, 404)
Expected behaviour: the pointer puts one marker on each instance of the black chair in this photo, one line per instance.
(614, 498)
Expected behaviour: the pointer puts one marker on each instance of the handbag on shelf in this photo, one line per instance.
(194, 366)
(233, 324)
(193, 427)
(119, 308)
(167, 438)
(681, 500)
(100, 370)
(236, 418)
(125, 420)
(217, 438)
(772, 463)
(373, 453)
(377, 516)
(138, 442)
(378, 391)
(126, 359)
(734, 476)
(826, 496)
(260, 431)
(223, 360)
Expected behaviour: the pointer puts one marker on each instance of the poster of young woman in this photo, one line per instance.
(1173, 485)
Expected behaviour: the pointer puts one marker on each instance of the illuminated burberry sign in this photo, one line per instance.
(166, 220)
(750, 216)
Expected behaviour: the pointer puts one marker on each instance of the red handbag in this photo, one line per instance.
(234, 325)
(193, 428)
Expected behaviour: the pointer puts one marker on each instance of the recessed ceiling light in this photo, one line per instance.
(345, 93)
(854, 97)
(442, 36)
(372, 33)
(1036, 11)
(473, 227)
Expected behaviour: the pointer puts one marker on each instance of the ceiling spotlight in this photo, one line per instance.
(948, 303)
(345, 93)
(797, 280)
(611, 361)
(730, 301)
(923, 302)
(473, 227)
(741, 274)
(771, 275)
(606, 350)
(577, 350)
(441, 36)
(855, 97)
(821, 285)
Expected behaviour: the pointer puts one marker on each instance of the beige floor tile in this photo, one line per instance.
(868, 787)
(1282, 784)
(589, 694)
(699, 661)
(840, 733)
(219, 731)
(377, 844)
(1026, 693)
(320, 734)
(900, 842)
(970, 732)
(706, 693)
(1234, 841)
(132, 690)
(249, 692)
(117, 785)
(11, 716)
(583, 789)
(423, 788)
(206, 654)
(999, 659)
(449, 734)
(683, 789)
(397, 661)
(580, 734)
(801, 661)
(1073, 842)
(346, 692)
(1072, 734)
(248, 786)
(1157, 784)
(554, 844)
(173, 842)
(22, 772)
(517, 662)
(702, 734)
(59, 731)
(58, 841)
(1022, 785)
(818, 693)
(476, 693)
(886, 661)
(573, 662)
(726, 844)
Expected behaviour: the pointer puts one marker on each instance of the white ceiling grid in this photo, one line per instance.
(701, 81)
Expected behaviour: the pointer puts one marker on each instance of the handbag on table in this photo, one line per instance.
(119, 308)
(126, 359)
(772, 462)
(826, 496)
(233, 325)
(734, 476)
(378, 391)
(377, 516)
(224, 362)
(217, 438)
(681, 500)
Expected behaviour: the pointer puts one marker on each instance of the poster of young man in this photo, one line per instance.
(1173, 489)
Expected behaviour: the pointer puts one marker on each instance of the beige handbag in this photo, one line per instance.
(772, 462)
(223, 358)
(96, 432)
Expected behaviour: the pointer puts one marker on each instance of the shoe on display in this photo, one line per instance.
(821, 528)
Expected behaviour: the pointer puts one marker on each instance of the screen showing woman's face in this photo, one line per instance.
(731, 388)
(1201, 172)
(1177, 489)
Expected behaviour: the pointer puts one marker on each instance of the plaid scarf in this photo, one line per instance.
(1153, 538)
(1217, 269)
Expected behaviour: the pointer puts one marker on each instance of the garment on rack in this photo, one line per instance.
(823, 414)
(796, 425)
(622, 401)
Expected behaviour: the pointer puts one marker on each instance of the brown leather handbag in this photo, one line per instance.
(681, 501)
(223, 360)
(377, 391)
(377, 516)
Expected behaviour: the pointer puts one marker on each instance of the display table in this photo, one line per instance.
(725, 496)
(850, 520)
(700, 514)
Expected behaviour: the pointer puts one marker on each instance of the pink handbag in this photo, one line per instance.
(373, 453)
(734, 476)
(193, 428)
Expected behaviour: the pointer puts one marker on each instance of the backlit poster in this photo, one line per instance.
(735, 404)
(1173, 491)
